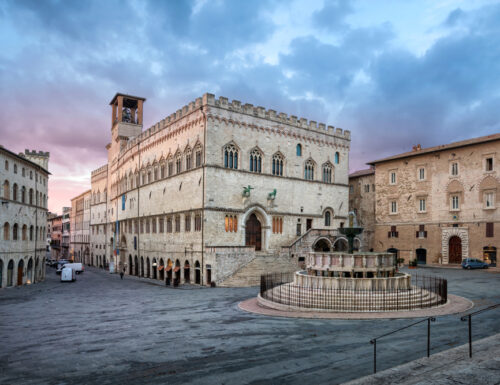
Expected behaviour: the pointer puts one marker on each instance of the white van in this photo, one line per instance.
(77, 267)
(68, 275)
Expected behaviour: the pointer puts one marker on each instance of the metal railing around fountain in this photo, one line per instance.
(425, 292)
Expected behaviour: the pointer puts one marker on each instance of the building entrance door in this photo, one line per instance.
(421, 256)
(253, 232)
(20, 269)
(455, 250)
(490, 255)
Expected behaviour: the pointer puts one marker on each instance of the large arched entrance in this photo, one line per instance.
(130, 264)
(148, 272)
(169, 271)
(10, 273)
(455, 250)
(253, 232)
(136, 266)
(197, 276)
(142, 266)
(1, 273)
(154, 269)
(340, 244)
(322, 244)
(20, 271)
(421, 256)
(186, 272)
(161, 269)
(177, 272)
(30, 271)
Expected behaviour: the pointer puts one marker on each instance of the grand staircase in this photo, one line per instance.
(263, 263)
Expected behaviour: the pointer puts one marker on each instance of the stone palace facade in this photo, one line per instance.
(201, 193)
(23, 216)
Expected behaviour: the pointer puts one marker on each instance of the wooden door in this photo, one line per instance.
(455, 250)
(253, 232)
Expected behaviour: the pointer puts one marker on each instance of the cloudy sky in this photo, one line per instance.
(395, 73)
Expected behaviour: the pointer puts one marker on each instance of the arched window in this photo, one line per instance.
(31, 196)
(6, 189)
(255, 160)
(24, 233)
(309, 170)
(337, 158)
(327, 173)
(14, 192)
(328, 218)
(31, 232)
(150, 179)
(15, 168)
(277, 164)
(178, 163)
(6, 165)
(189, 163)
(23, 172)
(299, 149)
(15, 229)
(230, 156)
(31, 175)
(198, 154)
(163, 170)
(43, 201)
(231, 223)
(6, 231)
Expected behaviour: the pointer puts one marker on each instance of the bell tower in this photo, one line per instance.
(126, 119)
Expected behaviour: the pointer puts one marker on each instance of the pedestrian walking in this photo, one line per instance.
(122, 273)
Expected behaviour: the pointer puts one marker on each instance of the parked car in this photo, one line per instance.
(78, 267)
(68, 275)
(472, 263)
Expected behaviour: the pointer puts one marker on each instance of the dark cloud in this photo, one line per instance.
(66, 59)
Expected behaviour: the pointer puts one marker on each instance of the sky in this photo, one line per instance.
(394, 73)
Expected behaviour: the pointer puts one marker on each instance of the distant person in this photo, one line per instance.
(122, 273)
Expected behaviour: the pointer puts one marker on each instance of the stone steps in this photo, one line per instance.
(347, 300)
(249, 275)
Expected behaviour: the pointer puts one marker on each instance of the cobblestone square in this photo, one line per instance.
(103, 330)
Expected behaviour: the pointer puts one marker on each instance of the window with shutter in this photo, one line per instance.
(489, 230)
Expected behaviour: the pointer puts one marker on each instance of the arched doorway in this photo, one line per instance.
(253, 232)
(455, 250)
(340, 245)
(197, 275)
(490, 255)
(10, 273)
(322, 244)
(1, 273)
(37, 273)
(136, 266)
(20, 271)
(169, 271)
(186, 272)
(177, 272)
(161, 269)
(148, 272)
(421, 256)
(142, 266)
(130, 264)
(30, 271)
(154, 269)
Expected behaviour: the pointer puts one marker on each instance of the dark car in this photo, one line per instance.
(472, 263)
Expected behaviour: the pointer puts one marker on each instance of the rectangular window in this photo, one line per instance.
(422, 205)
(454, 169)
(198, 158)
(169, 224)
(197, 222)
(489, 230)
(148, 228)
(455, 205)
(393, 177)
(421, 173)
(142, 226)
(394, 207)
(277, 225)
(177, 223)
(187, 222)
(367, 188)
(489, 200)
(489, 164)
(299, 229)
(393, 233)
(154, 225)
(351, 188)
(162, 225)
(421, 233)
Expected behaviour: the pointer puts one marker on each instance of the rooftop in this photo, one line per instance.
(417, 150)
(368, 171)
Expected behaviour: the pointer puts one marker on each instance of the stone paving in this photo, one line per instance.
(453, 366)
(101, 330)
